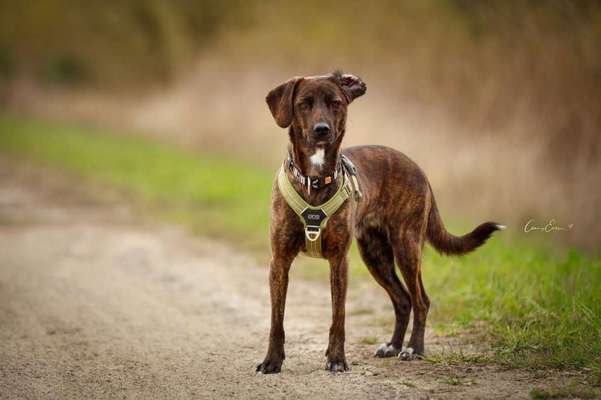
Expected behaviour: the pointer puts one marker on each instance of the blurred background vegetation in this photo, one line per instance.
(498, 97)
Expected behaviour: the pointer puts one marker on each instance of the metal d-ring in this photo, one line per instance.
(312, 236)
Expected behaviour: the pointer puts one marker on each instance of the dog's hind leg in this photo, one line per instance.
(378, 256)
(408, 252)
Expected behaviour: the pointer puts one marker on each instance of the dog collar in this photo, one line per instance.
(311, 182)
(314, 218)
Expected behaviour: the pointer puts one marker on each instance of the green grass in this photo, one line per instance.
(538, 307)
(214, 195)
(454, 380)
(369, 340)
(407, 383)
(457, 358)
(569, 391)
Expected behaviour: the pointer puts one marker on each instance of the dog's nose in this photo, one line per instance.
(321, 129)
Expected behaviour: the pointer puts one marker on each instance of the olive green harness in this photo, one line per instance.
(315, 218)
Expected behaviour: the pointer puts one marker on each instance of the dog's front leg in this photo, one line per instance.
(338, 283)
(278, 286)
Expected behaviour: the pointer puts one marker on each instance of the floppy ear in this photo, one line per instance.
(280, 101)
(352, 86)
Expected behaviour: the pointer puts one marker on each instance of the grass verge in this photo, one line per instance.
(538, 307)
(569, 391)
(211, 194)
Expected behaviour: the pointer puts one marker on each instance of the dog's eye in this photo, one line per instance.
(335, 103)
(306, 104)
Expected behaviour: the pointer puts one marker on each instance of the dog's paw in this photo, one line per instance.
(336, 366)
(269, 367)
(408, 354)
(387, 350)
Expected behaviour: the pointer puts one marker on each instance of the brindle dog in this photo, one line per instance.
(391, 222)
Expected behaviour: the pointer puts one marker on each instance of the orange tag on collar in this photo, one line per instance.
(328, 180)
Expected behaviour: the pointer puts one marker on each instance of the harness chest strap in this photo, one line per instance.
(314, 218)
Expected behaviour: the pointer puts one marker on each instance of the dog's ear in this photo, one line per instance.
(352, 86)
(280, 99)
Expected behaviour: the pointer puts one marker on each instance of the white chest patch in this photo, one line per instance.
(318, 158)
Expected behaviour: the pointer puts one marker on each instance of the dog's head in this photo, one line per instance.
(315, 107)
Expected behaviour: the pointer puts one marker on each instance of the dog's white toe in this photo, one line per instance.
(406, 354)
(386, 350)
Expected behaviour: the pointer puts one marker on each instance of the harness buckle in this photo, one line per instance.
(313, 219)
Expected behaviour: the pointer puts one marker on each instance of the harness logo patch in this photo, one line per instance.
(314, 217)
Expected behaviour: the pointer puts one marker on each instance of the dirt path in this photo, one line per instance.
(96, 303)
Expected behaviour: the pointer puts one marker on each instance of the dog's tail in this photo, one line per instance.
(447, 243)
